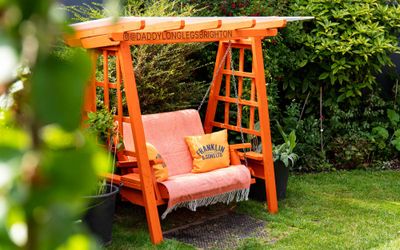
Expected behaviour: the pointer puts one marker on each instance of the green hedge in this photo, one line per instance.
(337, 57)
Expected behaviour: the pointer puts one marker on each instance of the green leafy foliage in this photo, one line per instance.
(393, 116)
(284, 152)
(281, 152)
(57, 101)
(46, 163)
(239, 7)
(164, 73)
(351, 150)
(379, 135)
(311, 157)
(330, 51)
(365, 132)
(394, 119)
(342, 49)
(396, 140)
(101, 123)
(345, 47)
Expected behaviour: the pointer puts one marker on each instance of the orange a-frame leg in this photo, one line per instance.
(258, 70)
(262, 104)
(153, 221)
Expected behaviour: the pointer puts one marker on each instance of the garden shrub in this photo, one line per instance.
(342, 51)
(312, 158)
(239, 7)
(344, 48)
(362, 135)
(165, 74)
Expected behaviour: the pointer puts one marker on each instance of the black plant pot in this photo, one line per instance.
(257, 190)
(281, 179)
(99, 216)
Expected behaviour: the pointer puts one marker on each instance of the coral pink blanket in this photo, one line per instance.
(167, 131)
(193, 190)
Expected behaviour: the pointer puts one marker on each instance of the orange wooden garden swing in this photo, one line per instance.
(113, 39)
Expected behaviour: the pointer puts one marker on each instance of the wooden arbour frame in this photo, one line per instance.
(103, 37)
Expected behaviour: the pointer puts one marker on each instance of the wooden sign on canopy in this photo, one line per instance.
(113, 39)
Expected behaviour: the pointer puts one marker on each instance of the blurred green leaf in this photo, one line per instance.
(11, 136)
(65, 168)
(58, 89)
(57, 138)
(13, 142)
(77, 242)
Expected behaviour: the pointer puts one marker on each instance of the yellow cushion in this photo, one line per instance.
(209, 152)
(160, 170)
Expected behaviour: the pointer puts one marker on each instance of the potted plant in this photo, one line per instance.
(101, 124)
(100, 212)
(284, 158)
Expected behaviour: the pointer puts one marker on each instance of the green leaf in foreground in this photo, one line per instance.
(52, 101)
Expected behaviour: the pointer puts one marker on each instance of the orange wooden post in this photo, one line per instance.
(106, 80)
(120, 109)
(124, 55)
(215, 89)
(258, 70)
(240, 87)
(227, 87)
(90, 90)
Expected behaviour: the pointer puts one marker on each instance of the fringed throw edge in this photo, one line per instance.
(237, 195)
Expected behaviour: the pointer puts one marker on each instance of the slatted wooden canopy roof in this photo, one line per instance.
(158, 30)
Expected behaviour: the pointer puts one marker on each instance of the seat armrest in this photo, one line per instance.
(132, 163)
(239, 146)
(234, 154)
(127, 153)
(127, 164)
(111, 177)
(251, 155)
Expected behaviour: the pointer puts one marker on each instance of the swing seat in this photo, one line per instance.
(166, 131)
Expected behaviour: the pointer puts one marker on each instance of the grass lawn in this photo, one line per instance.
(342, 210)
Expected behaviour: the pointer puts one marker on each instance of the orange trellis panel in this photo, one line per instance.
(110, 39)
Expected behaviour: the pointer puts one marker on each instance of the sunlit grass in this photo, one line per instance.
(342, 210)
